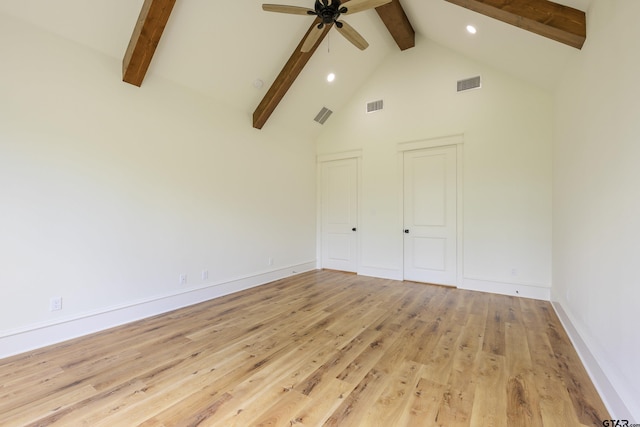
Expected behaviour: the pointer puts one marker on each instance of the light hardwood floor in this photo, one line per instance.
(321, 348)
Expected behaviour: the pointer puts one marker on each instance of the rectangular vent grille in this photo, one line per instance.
(323, 115)
(466, 84)
(374, 106)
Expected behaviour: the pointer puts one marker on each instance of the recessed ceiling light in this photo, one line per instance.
(471, 29)
(331, 77)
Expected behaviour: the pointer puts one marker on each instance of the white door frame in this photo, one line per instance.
(322, 158)
(458, 141)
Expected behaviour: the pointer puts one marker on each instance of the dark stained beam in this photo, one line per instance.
(393, 16)
(555, 21)
(146, 36)
(285, 79)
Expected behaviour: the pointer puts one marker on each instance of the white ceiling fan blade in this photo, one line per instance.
(311, 39)
(352, 35)
(283, 8)
(355, 6)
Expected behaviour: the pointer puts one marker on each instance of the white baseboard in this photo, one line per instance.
(382, 273)
(503, 288)
(44, 334)
(609, 393)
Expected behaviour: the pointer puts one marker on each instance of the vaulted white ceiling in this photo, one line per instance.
(221, 48)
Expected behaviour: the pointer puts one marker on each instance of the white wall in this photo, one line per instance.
(507, 131)
(109, 192)
(597, 200)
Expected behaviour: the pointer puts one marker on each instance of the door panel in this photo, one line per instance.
(339, 201)
(429, 179)
(339, 246)
(430, 215)
(432, 253)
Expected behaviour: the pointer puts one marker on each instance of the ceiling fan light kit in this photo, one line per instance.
(329, 11)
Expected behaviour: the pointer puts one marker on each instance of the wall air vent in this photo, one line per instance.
(466, 84)
(374, 106)
(323, 115)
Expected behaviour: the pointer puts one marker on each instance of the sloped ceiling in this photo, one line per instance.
(221, 48)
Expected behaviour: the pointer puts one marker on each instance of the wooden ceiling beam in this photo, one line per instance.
(285, 79)
(552, 20)
(145, 38)
(396, 21)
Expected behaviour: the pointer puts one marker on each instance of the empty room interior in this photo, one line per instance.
(410, 212)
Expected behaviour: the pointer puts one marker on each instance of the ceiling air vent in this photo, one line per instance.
(374, 106)
(466, 84)
(323, 115)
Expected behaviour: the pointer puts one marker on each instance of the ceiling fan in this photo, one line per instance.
(329, 13)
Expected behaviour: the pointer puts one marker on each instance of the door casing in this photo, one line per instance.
(458, 142)
(355, 155)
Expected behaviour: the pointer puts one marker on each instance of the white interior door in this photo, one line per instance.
(339, 213)
(430, 216)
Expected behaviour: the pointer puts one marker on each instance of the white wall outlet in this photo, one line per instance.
(55, 304)
(270, 261)
(183, 279)
(514, 272)
(205, 274)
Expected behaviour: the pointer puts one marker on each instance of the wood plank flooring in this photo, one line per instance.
(319, 349)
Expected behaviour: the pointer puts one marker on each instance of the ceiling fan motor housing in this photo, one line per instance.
(329, 13)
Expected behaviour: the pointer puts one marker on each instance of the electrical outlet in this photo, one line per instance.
(270, 261)
(55, 304)
(514, 272)
(183, 279)
(205, 274)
